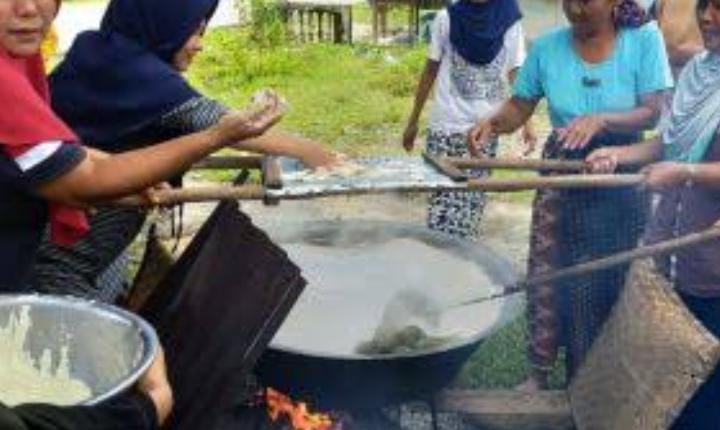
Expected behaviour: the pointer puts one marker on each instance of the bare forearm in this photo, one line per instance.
(427, 80)
(272, 143)
(309, 152)
(103, 176)
(684, 52)
(642, 153)
(641, 118)
(514, 113)
(528, 126)
(680, 44)
(636, 120)
(705, 174)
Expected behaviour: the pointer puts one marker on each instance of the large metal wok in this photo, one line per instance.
(355, 269)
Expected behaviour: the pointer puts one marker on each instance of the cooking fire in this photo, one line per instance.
(297, 414)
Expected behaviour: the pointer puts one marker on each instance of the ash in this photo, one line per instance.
(411, 416)
(415, 416)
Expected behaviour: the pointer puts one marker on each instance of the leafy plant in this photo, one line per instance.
(267, 23)
(336, 92)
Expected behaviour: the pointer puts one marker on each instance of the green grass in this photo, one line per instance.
(524, 197)
(353, 98)
(501, 361)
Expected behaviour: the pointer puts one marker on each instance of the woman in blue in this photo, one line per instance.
(683, 168)
(603, 78)
(121, 88)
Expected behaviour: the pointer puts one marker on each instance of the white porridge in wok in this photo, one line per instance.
(356, 293)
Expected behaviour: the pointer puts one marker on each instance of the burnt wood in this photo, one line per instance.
(509, 410)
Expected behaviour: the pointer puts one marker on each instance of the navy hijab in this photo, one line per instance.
(119, 79)
(477, 30)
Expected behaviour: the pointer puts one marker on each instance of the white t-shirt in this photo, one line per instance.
(465, 92)
(645, 4)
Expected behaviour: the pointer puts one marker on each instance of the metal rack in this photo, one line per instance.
(273, 189)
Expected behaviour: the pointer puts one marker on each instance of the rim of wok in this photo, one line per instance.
(147, 333)
(474, 252)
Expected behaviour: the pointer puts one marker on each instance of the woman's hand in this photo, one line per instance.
(604, 160)
(242, 125)
(667, 174)
(529, 139)
(314, 155)
(154, 384)
(409, 136)
(480, 136)
(150, 195)
(580, 131)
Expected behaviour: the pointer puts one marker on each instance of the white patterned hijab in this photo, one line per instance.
(695, 110)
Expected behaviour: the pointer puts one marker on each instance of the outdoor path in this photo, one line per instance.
(75, 18)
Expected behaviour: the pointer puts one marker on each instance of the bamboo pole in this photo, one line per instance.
(489, 185)
(555, 182)
(257, 192)
(254, 162)
(445, 167)
(660, 248)
(516, 164)
(195, 195)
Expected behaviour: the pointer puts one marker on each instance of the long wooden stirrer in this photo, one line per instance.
(255, 161)
(257, 192)
(660, 248)
(516, 164)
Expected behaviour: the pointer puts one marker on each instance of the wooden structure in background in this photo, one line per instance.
(320, 20)
(332, 20)
(380, 10)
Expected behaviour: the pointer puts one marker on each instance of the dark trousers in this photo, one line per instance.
(703, 410)
(75, 270)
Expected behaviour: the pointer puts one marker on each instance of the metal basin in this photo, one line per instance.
(108, 348)
(355, 269)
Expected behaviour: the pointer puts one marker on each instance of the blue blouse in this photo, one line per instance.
(637, 66)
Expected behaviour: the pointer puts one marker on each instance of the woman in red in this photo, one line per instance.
(46, 175)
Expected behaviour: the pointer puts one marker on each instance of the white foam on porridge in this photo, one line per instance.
(350, 291)
(26, 380)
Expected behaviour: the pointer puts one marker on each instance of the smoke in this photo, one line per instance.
(374, 280)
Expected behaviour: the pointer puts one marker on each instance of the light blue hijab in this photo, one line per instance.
(695, 110)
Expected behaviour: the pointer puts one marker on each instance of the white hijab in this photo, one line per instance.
(695, 110)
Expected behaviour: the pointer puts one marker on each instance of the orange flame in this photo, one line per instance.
(298, 414)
